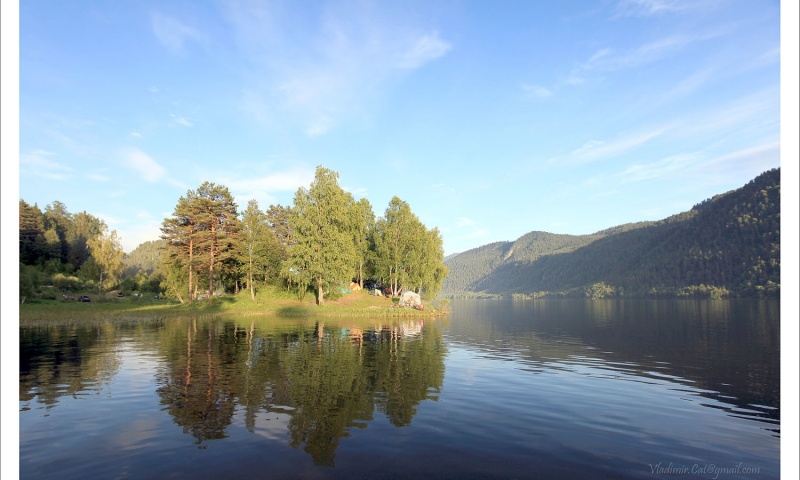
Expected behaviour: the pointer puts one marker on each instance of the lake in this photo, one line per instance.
(496, 389)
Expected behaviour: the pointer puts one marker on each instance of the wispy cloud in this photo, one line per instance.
(172, 33)
(426, 48)
(745, 162)
(150, 170)
(265, 188)
(659, 169)
(607, 60)
(97, 177)
(326, 68)
(464, 222)
(646, 8)
(181, 120)
(275, 182)
(469, 228)
(535, 91)
(598, 149)
(41, 164)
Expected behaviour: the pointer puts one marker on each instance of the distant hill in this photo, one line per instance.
(728, 245)
(145, 258)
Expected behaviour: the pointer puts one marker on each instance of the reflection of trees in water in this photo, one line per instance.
(328, 378)
(66, 360)
(196, 393)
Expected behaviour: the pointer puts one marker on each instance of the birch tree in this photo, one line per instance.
(106, 250)
(322, 253)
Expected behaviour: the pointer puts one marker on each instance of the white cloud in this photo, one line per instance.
(726, 167)
(597, 149)
(265, 189)
(644, 8)
(141, 162)
(97, 177)
(660, 169)
(276, 182)
(40, 163)
(426, 48)
(181, 120)
(325, 69)
(751, 160)
(536, 91)
(172, 33)
(464, 222)
(607, 60)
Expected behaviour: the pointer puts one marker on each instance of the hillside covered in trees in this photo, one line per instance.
(728, 245)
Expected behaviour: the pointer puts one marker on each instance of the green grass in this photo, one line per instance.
(269, 301)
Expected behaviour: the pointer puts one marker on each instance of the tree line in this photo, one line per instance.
(323, 242)
(66, 250)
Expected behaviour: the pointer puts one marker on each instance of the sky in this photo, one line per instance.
(490, 119)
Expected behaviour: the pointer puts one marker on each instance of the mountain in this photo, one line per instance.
(728, 245)
(146, 258)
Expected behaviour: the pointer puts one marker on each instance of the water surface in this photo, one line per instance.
(497, 389)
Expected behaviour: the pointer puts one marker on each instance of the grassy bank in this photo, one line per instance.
(268, 302)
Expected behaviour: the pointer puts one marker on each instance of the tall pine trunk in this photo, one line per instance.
(191, 268)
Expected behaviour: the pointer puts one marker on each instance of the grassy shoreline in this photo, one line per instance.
(268, 302)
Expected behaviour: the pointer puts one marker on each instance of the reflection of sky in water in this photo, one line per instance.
(592, 406)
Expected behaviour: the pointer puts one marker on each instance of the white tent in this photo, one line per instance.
(409, 299)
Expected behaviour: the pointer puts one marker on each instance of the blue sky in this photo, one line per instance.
(491, 119)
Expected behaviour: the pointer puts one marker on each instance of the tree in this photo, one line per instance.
(82, 228)
(31, 234)
(178, 233)
(394, 242)
(258, 244)
(218, 222)
(278, 219)
(363, 228)
(407, 253)
(201, 234)
(106, 250)
(58, 219)
(323, 253)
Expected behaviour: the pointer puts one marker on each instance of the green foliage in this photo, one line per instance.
(728, 245)
(201, 238)
(408, 256)
(259, 251)
(107, 253)
(599, 290)
(326, 239)
(69, 283)
(323, 253)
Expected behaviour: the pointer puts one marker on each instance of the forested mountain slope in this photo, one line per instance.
(146, 257)
(728, 245)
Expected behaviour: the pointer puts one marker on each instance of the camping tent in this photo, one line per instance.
(409, 299)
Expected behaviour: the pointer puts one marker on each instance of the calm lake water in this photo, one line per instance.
(497, 389)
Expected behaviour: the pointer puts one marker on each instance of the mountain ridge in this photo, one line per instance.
(727, 245)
